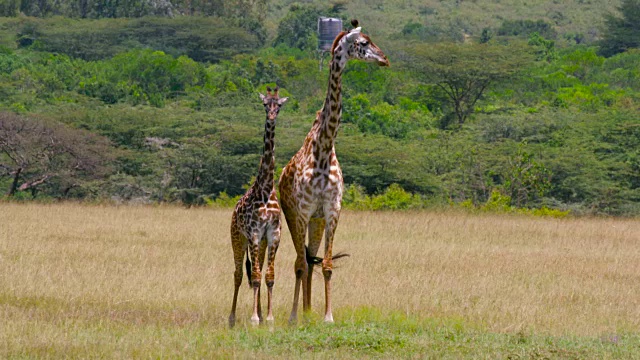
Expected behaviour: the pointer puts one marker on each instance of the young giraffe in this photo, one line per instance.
(256, 218)
(311, 184)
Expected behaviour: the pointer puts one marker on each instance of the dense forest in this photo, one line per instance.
(509, 106)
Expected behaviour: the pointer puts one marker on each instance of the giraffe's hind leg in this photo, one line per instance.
(327, 264)
(256, 276)
(239, 244)
(262, 250)
(316, 230)
(297, 230)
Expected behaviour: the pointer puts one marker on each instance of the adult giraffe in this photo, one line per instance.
(311, 184)
(255, 222)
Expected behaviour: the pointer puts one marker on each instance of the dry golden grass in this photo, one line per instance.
(148, 268)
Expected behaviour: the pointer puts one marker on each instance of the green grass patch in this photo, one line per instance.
(363, 333)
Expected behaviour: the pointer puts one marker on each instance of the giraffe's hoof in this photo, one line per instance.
(328, 319)
(293, 320)
(255, 321)
(232, 321)
(270, 323)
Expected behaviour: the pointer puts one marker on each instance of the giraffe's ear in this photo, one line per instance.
(353, 34)
(261, 96)
(282, 100)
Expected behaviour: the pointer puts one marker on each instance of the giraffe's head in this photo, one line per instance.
(356, 45)
(272, 103)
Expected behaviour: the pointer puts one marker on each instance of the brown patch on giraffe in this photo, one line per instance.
(337, 40)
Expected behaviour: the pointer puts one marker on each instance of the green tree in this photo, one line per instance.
(621, 33)
(487, 35)
(464, 72)
(35, 153)
(526, 179)
(451, 32)
(545, 49)
(201, 38)
(524, 28)
(298, 28)
(9, 7)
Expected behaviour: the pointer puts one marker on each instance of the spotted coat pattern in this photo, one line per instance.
(311, 184)
(255, 222)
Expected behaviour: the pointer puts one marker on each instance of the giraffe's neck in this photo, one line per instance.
(332, 109)
(264, 180)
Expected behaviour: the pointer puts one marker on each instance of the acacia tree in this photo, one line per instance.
(296, 28)
(35, 152)
(621, 33)
(465, 71)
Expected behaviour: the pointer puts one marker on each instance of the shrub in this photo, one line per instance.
(500, 203)
(202, 39)
(355, 198)
(222, 200)
(621, 33)
(395, 198)
(524, 28)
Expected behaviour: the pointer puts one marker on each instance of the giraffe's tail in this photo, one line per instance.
(312, 260)
(247, 265)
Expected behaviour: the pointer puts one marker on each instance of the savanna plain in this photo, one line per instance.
(95, 281)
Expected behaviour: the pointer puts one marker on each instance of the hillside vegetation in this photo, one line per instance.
(510, 106)
(469, 17)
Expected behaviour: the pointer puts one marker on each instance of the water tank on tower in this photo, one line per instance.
(328, 29)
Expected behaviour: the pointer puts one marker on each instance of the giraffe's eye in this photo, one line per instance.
(365, 43)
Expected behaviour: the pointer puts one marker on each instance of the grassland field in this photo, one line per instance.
(80, 281)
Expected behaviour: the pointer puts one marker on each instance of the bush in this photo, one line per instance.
(621, 33)
(355, 198)
(500, 203)
(223, 200)
(395, 121)
(295, 29)
(433, 32)
(524, 28)
(143, 76)
(393, 198)
(202, 39)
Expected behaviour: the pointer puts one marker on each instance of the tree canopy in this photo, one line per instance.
(36, 153)
(464, 72)
(622, 32)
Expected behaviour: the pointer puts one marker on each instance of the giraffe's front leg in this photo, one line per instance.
(256, 276)
(327, 266)
(262, 251)
(274, 242)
